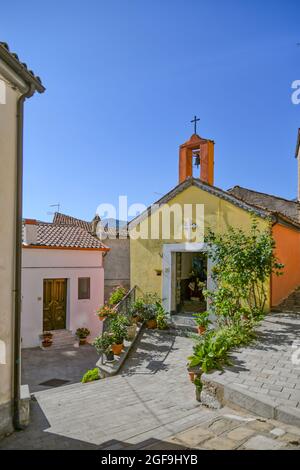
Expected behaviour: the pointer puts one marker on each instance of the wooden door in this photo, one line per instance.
(54, 304)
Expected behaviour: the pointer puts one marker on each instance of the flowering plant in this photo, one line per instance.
(105, 311)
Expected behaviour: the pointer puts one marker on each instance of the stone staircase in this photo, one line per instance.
(183, 323)
(290, 304)
(63, 339)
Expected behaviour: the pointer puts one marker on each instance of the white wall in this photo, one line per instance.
(39, 264)
(8, 121)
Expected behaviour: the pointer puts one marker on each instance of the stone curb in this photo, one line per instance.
(231, 394)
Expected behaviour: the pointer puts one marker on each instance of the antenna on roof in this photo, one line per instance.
(54, 205)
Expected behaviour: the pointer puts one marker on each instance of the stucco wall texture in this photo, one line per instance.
(7, 252)
(288, 252)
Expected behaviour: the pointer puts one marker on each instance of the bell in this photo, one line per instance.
(197, 160)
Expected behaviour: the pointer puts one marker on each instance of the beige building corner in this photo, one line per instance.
(16, 84)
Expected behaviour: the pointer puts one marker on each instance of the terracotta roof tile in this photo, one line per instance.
(290, 209)
(66, 236)
(68, 220)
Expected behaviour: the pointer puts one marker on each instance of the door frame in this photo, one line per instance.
(169, 267)
(66, 298)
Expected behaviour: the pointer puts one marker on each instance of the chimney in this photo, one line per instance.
(95, 222)
(30, 232)
(202, 151)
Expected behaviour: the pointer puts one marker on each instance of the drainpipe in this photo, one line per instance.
(18, 258)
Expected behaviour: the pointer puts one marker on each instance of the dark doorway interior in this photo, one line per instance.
(191, 279)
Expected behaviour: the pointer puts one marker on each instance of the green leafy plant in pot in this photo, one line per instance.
(161, 318)
(136, 311)
(118, 331)
(82, 334)
(202, 321)
(103, 345)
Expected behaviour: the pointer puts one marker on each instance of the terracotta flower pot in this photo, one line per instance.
(82, 341)
(192, 376)
(117, 349)
(101, 318)
(46, 336)
(47, 343)
(151, 324)
(201, 330)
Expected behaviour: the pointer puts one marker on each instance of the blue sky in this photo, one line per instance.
(125, 77)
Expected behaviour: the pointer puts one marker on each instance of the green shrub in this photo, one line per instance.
(211, 351)
(91, 375)
(161, 318)
(202, 319)
(103, 343)
(117, 295)
(118, 328)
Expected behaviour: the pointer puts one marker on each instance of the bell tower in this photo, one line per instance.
(197, 152)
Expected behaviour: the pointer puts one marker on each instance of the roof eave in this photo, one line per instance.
(205, 187)
(53, 247)
(20, 69)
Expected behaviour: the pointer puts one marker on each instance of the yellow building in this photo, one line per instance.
(167, 248)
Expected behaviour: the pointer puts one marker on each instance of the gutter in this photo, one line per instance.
(18, 257)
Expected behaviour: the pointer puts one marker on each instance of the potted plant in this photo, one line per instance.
(202, 322)
(117, 295)
(82, 334)
(118, 330)
(136, 311)
(149, 316)
(161, 318)
(103, 345)
(47, 339)
(105, 311)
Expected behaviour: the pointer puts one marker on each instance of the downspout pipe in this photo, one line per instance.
(18, 257)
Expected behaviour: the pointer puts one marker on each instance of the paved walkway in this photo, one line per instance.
(151, 404)
(269, 368)
(67, 365)
(152, 397)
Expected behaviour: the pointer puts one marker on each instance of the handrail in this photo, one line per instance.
(124, 300)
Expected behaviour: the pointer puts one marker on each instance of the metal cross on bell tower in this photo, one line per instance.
(195, 120)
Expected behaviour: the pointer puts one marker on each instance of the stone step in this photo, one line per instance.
(290, 304)
(184, 322)
(62, 339)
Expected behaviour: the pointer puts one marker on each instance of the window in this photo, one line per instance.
(83, 288)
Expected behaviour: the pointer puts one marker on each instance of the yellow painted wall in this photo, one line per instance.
(146, 254)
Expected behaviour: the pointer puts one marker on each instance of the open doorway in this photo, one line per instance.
(190, 281)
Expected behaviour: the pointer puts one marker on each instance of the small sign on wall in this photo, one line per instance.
(2, 92)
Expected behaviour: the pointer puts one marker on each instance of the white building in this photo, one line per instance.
(117, 260)
(62, 280)
(17, 83)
